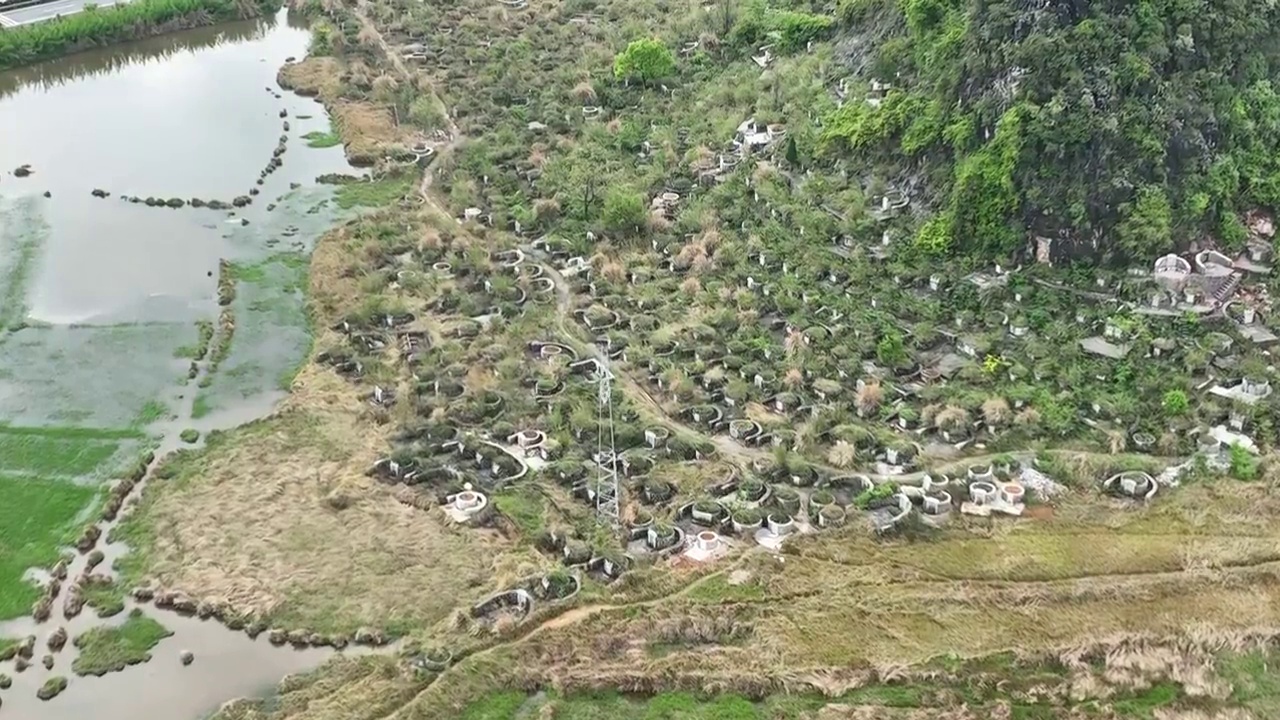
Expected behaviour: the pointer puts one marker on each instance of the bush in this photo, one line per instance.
(1243, 465)
(189, 435)
(427, 114)
(646, 60)
(623, 210)
(1175, 403)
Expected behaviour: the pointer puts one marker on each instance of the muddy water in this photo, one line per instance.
(190, 115)
(195, 114)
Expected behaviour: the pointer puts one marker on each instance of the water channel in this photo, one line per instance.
(110, 288)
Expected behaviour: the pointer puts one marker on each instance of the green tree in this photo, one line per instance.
(646, 59)
(623, 210)
(1145, 228)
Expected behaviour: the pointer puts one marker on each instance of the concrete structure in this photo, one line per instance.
(512, 603)
(463, 507)
(892, 516)
(1134, 484)
(985, 497)
(1171, 273)
(1100, 346)
(1248, 390)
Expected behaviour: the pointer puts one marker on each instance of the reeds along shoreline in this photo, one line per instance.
(31, 43)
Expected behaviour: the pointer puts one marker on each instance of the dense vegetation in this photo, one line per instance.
(94, 27)
(1140, 124)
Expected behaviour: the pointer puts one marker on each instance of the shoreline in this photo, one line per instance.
(63, 36)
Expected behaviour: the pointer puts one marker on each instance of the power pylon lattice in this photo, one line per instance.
(607, 480)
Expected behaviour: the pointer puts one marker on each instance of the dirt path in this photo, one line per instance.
(566, 619)
(455, 137)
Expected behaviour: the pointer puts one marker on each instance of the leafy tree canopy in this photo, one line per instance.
(1139, 124)
(646, 59)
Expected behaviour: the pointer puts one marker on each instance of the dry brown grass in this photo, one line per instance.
(368, 130)
(251, 525)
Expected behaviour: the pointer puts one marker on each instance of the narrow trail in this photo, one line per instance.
(454, 133)
(565, 619)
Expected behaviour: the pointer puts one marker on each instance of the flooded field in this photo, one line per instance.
(131, 310)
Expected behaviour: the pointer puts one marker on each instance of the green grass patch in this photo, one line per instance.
(105, 600)
(152, 411)
(498, 706)
(322, 139)
(526, 507)
(1255, 681)
(378, 193)
(47, 456)
(716, 589)
(111, 649)
(201, 407)
(37, 517)
(1144, 704)
(72, 433)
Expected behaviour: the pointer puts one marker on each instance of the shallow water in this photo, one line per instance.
(113, 289)
(182, 116)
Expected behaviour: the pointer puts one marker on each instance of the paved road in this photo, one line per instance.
(39, 13)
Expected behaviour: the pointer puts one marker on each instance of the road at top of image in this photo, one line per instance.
(47, 11)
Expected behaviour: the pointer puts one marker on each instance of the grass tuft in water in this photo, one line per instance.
(111, 649)
(322, 139)
(378, 193)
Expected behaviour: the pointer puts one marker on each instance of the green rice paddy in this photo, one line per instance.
(37, 517)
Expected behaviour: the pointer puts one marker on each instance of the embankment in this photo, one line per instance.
(119, 23)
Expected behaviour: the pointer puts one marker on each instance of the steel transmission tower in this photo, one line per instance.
(607, 482)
